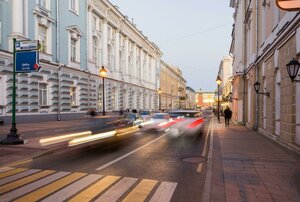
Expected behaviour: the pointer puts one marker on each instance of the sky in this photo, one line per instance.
(193, 35)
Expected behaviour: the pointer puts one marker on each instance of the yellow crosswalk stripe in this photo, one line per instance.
(11, 172)
(95, 189)
(23, 181)
(141, 191)
(44, 191)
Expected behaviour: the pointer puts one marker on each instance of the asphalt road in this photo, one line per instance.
(154, 163)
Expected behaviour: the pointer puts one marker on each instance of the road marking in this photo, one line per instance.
(73, 188)
(18, 176)
(59, 130)
(95, 189)
(4, 169)
(164, 192)
(141, 191)
(23, 181)
(116, 191)
(11, 172)
(200, 166)
(208, 177)
(32, 186)
(51, 186)
(128, 154)
(199, 169)
(44, 191)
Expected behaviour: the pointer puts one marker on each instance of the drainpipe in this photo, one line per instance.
(244, 61)
(256, 70)
(58, 118)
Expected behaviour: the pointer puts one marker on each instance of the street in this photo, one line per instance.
(170, 163)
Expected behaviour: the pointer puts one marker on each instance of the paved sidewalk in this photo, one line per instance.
(33, 132)
(248, 167)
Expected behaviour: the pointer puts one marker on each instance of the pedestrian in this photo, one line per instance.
(227, 115)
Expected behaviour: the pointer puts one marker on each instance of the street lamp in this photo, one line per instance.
(103, 72)
(257, 87)
(159, 97)
(293, 68)
(232, 98)
(218, 81)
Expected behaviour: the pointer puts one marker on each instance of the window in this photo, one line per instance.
(94, 23)
(73, 4)
(95, 50)
(42, 35)
(42, 3)
(73, 101)
(42, 94)
(73, 50)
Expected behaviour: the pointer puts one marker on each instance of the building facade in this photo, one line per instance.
(205, 99)
(77, 38)
(172, 85)
(190, 98)
(265, 39)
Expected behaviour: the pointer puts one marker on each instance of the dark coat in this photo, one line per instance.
(227, 113)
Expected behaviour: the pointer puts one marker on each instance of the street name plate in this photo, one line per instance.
(27, 45)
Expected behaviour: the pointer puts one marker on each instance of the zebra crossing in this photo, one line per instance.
(20, 184)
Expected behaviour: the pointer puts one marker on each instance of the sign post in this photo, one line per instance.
(25, 59)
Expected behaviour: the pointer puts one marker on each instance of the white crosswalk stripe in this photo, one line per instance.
(73, 188)
(4, 169)
(23, 185)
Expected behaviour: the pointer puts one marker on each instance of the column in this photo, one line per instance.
(104, 43)
(17, 18)
(126, 53)
(134, 70)
(117, 50)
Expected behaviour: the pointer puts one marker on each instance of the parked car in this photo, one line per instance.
(190, 122)
(145, 114)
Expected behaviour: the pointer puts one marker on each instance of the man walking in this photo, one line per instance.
(227, 115)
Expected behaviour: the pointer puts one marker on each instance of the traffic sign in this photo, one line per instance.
(27, 61)
(27, 45)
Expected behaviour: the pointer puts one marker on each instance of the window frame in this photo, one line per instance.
(73, 96)
(42, 94)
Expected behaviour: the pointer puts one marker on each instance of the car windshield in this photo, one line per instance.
(160, 116)
(184, 114)
(145, 112)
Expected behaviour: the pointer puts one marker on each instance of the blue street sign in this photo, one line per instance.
(26, 61)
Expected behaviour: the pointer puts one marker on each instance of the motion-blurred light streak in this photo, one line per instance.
(92, 138)
(63, 138)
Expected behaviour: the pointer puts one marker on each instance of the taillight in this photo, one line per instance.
(195, 123)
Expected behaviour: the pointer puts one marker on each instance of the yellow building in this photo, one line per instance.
(172, 85)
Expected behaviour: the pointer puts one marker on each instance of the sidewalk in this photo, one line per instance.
(248, 167)
(33, 132)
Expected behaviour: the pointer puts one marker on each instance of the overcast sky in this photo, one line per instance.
(192, 34)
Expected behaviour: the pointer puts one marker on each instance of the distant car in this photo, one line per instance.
(158, 122)
(190, 122)
(145, 114)
(128, 119)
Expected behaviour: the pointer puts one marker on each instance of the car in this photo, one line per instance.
(188, 122)
(158, 122)
(128, 120)
(145, 114)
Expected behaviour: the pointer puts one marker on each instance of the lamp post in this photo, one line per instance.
(293, 68)
(257, 87)
(103, 72)
(218, 81)
(159, 97)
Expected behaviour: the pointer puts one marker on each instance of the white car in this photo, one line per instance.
(158, 122)
(145, 114)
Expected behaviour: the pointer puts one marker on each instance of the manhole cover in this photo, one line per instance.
(194, 159)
